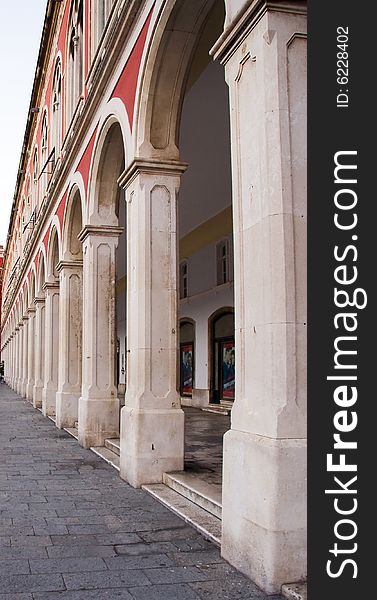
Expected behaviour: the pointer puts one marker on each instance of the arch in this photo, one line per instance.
(53, 255)
(31, 288)
(173, 41)
(73, 223)
(41, 273)
(107, 165)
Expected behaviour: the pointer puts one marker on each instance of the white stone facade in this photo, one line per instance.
(156, 155)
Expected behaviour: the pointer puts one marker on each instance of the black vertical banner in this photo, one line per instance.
(342, 360)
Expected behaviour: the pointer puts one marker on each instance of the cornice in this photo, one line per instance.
(236, 31)
(151, 166)
(98, 230)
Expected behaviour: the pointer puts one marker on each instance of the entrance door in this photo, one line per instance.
(224, 359)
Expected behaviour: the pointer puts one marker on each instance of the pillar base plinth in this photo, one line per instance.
(151, 443)
(67, 409)
(264, 508)
(98, 420)
(37, 396)
(49, 402)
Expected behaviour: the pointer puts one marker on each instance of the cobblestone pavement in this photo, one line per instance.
(71, 529)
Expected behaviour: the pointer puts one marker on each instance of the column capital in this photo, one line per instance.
(31, 310)
(51, 286)
(39, 300)
(20, 325)
(25, 318)
(97, 230)
(68, 264)
(239, 25)
(151, 166)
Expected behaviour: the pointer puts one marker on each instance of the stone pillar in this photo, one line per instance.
(52, 344)
(19, 356)
(31, 354)
(25, 356)
(152, 422)
(98, 404)
(264, 472)
(39, 350)
(70, 343)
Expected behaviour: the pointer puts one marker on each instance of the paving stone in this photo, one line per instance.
(145, 549)
(31, 583)
(78, 551)
(112, 594)
(166, 592)
(175, 575)
(138, 562)
(67, 565)
(105, 580)
(14, 567)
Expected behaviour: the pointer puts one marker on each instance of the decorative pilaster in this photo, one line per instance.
(51, 361)
(98, 404)
(152, 421)
(70, 337)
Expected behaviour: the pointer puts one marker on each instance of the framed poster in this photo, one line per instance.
(228, 369)
(187, 369)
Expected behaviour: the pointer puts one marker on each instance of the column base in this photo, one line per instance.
(49, 402)
(67, 409)
(264, 508)
(37, 395)
(151, 443)
(98, 420)
(29, 391)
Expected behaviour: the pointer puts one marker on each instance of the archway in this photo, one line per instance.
(70, 309)
(51, 361)
(103, 290)
(40, 314)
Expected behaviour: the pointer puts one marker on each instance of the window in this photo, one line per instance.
(35, 178)
(101, 12)
(56, 110)
(44, 154)
(223, 262)
(183, 283)
(75, 58)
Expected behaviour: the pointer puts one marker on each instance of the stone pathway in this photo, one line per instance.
(71, 529)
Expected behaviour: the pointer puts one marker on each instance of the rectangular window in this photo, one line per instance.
(223, 262)
(183, 284)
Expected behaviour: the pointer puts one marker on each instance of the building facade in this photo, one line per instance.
(156, 250)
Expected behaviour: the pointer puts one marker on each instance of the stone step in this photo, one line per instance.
(208, 525)
(73, 431)
(108, 455)
(205, 495)
(295, 591)
(113, 444)
(217, 408)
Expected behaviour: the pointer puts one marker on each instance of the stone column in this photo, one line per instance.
(98, 404)
(25, 356)
(152, 422)
(264, 472)
(39, 349)
(52, 343)
(70, 343)
(20, 345)
(31, 354)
